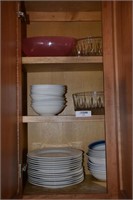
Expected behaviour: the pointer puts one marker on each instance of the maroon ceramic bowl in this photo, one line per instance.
(48, 46)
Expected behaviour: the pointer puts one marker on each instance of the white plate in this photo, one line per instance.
(56, 184)
(65, 168)
(59, 163)
(55, 153)
(53, 170)
(56, 173)
(62, 177)
(54, 162)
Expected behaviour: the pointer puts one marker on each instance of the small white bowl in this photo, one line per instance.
(97, 160)
(100, 154)
(48, 86)
(48, 103)
(48, 92)
(40, 97)
(97, 168)
(51, 101)
(47, 89)
(99, 176)
(97, 145)
(48, 110)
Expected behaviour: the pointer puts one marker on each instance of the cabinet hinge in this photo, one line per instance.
(22, 169)
(22, 15)
(19, 171)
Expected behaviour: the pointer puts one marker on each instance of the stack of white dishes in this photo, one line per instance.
(48, 99)
(97, 160)
(55, 167)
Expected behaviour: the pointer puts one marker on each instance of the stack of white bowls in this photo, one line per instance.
(48, 99)
(97, 160)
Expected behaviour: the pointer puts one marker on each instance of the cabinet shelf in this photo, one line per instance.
(54, 60)
(40, 64)
(60, 119)
(88, 187)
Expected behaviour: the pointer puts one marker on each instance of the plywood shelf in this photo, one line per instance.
(60, 119)
(54, 60)
(73, 63)
(87, 188)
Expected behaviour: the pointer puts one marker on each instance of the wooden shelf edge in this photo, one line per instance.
(54, 60)
(60, 119)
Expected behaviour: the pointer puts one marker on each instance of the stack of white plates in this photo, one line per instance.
(96, 159)
(55, 167)
(48, 99)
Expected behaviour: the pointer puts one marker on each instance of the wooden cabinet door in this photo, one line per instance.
(123, 68)
(9, 92)
(117, 44)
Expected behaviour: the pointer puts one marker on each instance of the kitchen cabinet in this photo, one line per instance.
(105, 72)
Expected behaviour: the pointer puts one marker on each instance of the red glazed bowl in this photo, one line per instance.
(48, 46)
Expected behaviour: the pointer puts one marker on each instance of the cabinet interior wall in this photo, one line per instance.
(56, 134)
(63, 134)
(70, 29)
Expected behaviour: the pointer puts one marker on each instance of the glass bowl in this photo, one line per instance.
(92, 101)
(89, 46)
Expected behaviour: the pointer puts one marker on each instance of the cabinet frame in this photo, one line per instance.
(110, 112)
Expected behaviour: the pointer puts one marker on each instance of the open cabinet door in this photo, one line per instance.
(9, 92)
(123, 62)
